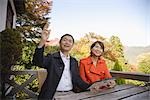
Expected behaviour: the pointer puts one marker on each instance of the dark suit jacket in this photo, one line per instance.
(55, 66)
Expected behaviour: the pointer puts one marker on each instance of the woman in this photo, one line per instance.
(94, 68)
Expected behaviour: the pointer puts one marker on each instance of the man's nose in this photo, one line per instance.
(67, 42)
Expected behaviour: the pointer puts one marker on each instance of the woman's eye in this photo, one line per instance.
(97, 47)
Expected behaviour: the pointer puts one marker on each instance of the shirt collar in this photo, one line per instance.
(89, 60)
(64, 56)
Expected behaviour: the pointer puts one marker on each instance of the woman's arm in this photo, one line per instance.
(110, 83)
(107, 73)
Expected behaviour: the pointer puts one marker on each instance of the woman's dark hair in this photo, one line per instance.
(100, 43)
(66, 35)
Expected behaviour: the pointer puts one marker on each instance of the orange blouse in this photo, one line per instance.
(89, 73)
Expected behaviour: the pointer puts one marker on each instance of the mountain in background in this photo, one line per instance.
(131, 53)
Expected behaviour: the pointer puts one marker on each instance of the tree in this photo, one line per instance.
(27, 55)
(82, 47)
(11, 47)
(143, 62)
(117, 51)
(113, 48)
(11, 50)
(30, 23)
(117, 67)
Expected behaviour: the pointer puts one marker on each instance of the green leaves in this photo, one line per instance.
(11, 47)
(31, 23)
(144, 62)
(118, 67)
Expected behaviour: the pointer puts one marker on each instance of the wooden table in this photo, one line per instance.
(120, 92)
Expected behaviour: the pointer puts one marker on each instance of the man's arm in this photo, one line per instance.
(82, 85)
(82, 71)
(38, 57)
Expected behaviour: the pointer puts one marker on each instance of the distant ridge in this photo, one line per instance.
(132, 52)
(54, 42)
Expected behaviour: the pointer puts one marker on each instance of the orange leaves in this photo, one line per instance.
(39, 8)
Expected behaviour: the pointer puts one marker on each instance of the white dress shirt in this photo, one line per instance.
(65, 83)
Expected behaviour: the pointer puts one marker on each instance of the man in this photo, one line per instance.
(62, 69)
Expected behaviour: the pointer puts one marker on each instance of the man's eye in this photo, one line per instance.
(64, 40)
(96, 46)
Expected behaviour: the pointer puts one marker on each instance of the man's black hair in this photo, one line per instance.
(66, 35)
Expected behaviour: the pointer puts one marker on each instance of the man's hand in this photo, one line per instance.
(44, 35)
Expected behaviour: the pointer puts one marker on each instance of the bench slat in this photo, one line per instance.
(142, 96)
(120, 94)
(87, 94)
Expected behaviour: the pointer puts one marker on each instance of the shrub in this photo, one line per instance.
(11, 47)
(117, 67)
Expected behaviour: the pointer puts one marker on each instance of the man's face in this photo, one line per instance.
(66, 43)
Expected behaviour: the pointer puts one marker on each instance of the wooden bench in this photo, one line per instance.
(120, 92)
(120, 89)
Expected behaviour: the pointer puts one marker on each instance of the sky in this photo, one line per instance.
(127, 19)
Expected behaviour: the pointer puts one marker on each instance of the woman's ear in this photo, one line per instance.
(103, 53)
(91, 53)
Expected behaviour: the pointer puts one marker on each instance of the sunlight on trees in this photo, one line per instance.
(143, 62)
(30, 23)
(113, 48)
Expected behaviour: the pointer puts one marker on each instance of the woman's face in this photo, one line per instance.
(97, 50)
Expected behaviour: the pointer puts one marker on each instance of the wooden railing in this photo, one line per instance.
(16, 87)
(131, 75)
(36, 74)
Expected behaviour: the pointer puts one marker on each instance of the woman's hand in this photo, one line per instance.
(44, 35)
(111, 83)
(102, 85)
(98, 87)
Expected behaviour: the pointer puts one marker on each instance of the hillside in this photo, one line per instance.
(132, 52)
